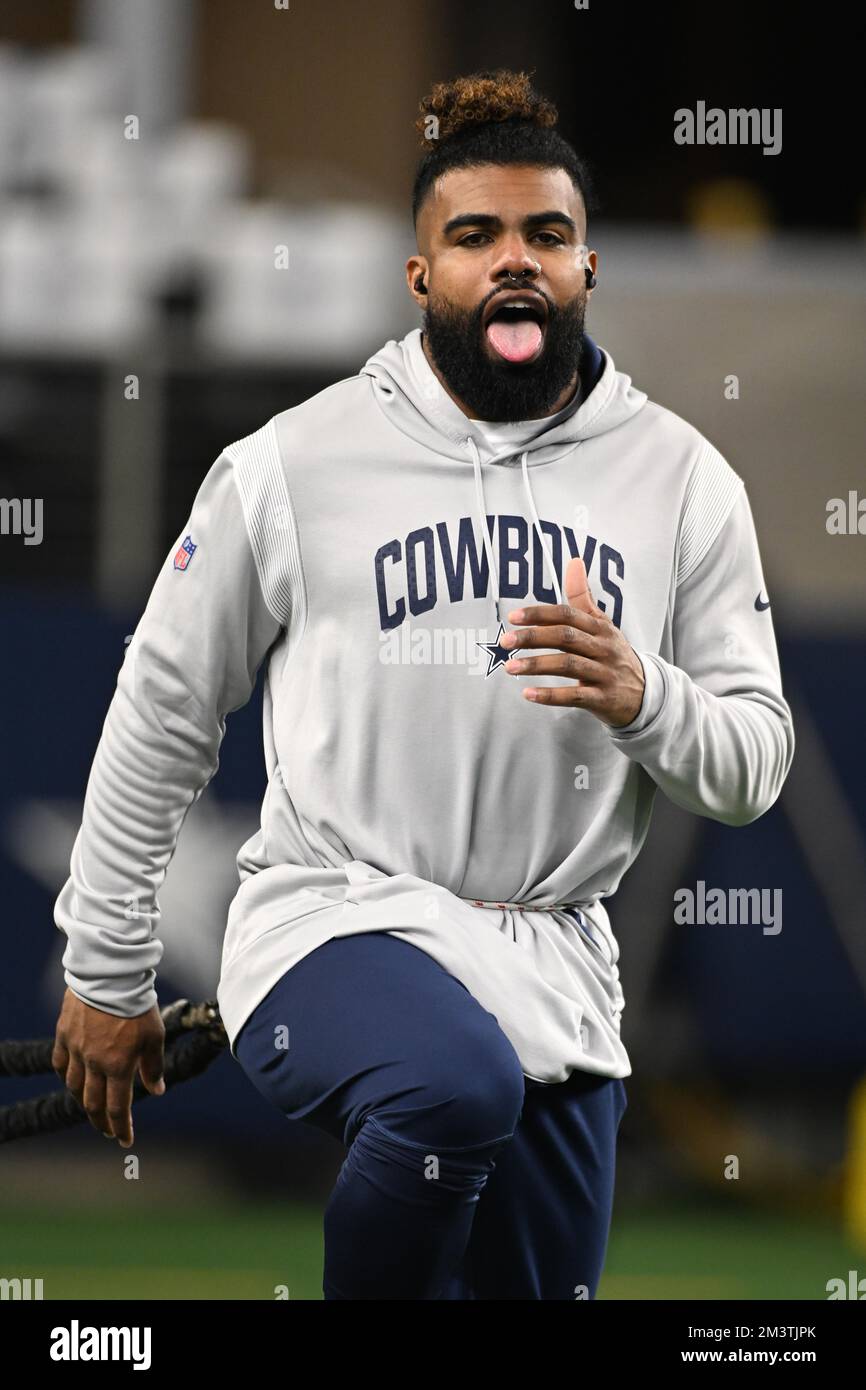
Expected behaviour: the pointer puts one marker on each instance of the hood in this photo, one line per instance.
(411, 396)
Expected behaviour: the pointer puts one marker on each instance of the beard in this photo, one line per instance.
(499, 390)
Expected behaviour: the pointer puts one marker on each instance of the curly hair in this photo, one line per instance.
(494, 117)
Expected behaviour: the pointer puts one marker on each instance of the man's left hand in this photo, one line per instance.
(589, 648)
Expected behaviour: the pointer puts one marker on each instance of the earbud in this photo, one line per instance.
(420, 286)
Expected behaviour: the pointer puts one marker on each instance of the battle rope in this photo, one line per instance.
(194, 1036)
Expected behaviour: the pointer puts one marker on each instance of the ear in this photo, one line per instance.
(577, 590)
(417, 266)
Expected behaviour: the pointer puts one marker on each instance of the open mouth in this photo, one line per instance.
(514, 325)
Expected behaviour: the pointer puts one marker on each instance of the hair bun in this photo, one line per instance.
(482, 97)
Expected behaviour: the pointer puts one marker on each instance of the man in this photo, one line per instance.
(501, 598)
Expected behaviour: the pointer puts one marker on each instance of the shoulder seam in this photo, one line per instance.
(711, 491)
(271, 524)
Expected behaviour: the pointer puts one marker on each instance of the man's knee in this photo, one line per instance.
(471, 1097)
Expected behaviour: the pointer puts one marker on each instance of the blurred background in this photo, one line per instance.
(154, 154)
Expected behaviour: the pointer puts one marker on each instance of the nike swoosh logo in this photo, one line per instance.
(761, 606)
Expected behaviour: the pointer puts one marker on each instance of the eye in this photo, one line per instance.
(472, 239)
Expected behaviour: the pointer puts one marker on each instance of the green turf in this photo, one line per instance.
(237, 1252)
(244, 1252)
(708, 1253)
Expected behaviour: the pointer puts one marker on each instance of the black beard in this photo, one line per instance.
(505, 391)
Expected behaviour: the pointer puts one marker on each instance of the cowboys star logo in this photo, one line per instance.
(498, 654)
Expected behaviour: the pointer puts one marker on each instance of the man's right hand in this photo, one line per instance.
(96, 1056)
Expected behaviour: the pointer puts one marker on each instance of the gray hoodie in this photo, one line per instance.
(367, 547)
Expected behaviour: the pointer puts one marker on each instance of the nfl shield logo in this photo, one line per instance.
(184, 553)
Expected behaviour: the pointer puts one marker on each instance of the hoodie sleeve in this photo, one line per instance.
(714, 731)
(193, 659)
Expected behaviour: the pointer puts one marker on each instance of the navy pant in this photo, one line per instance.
(463, 1179)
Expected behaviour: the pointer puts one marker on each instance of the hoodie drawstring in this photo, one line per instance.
(545, 552)
(482, 521)
(485, 535)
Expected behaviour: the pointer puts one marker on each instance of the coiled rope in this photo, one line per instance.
(194, 1036)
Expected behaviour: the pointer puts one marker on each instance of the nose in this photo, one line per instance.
(516, 264)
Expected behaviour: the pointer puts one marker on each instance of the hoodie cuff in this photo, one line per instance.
(124, 998)
(655, 690)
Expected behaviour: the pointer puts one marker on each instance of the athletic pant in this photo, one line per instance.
(463, 1178)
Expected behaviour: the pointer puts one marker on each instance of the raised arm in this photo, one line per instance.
(715, 732)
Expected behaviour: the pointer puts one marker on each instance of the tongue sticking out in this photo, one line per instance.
(516, 342)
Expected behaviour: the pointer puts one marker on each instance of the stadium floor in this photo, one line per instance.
(246, 1251)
